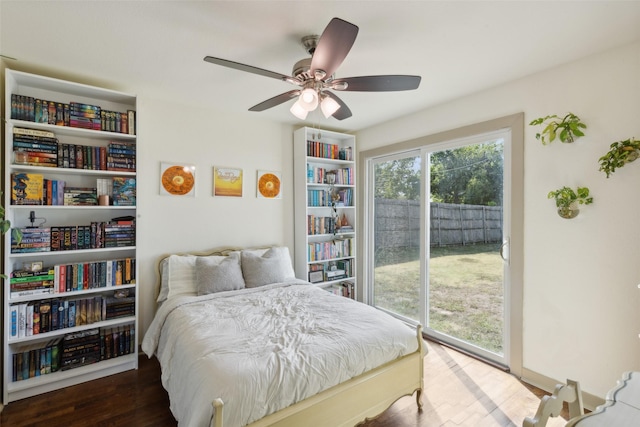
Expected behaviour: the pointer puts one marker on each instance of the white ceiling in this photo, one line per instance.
(458, 47)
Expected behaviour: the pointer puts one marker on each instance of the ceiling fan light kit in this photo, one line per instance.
(315, 75)
(329, 106)
(308, 99)
(297, 110)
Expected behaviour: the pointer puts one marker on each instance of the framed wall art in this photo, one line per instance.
(177, 179)
(227, 181)
(269, 185)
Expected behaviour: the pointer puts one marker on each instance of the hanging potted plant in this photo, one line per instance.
(567, 200)
(619, 154)
(567, 129)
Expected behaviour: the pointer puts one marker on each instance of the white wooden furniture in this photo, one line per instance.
(324, 201)
(59, 91)
(551, 406)
(346, 404)
(621, 409)
(354, 402)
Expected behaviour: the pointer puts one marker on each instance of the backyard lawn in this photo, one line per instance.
(465, 292)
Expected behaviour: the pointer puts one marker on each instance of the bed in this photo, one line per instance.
(242, 342)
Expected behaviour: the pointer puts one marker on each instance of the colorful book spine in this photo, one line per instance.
(27, 188)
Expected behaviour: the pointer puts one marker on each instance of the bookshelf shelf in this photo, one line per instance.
(322, 237)
(72, 131)
(72, 208)
(68, 171)
(71, 373)
(48, 335)
(65, 254)
(324, 198)
(110, 143)
(60, 379)
(71, 293)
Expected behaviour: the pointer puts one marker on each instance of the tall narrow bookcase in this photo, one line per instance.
(70, 299)
(325, 209)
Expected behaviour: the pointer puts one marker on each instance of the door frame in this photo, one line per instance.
(513, 123)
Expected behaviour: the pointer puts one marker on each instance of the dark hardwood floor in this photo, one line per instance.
(459, 391)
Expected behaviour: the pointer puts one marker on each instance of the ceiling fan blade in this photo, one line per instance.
(333, 46)
(276, 100)
(248, 68)
(343, 112)
(389, 83)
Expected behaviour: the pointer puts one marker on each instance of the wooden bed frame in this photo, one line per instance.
(350, 403)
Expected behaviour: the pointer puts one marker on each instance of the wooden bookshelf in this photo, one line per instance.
(93, 120)
(325, 209)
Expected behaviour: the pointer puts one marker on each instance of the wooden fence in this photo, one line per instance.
(397, 224)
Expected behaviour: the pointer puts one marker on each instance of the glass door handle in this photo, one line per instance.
(504, 251)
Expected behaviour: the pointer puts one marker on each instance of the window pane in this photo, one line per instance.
(397, 237)
(465, 282)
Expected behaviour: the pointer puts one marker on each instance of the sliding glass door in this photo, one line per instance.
(397, 255)
(437, 221)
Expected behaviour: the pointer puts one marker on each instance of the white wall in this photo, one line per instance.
(581, 301)
(167, 224)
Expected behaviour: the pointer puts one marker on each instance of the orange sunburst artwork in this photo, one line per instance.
(269, 185)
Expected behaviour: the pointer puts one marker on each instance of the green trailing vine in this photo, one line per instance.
(620, 153)
(567, 129)
(5, 225)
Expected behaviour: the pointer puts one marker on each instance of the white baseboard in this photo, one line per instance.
(549, 384)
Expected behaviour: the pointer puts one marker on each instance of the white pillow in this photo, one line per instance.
(182, 275)
(218, 276)
(164, 280)
(274, 266)
(179, 276)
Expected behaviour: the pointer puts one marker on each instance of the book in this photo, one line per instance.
(35, 145)
(45, 316)
(71, 314)
(36, 318)
(30, 292)
(22, 320)
(124, 191)
(13, 319)
(131, 122)
(80, 196)
(55, 306)
(104, 187)
(27, 188)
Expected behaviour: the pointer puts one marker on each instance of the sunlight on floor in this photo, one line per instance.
(462, 391)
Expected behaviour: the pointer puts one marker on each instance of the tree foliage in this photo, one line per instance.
(467, 175)
(398, 179)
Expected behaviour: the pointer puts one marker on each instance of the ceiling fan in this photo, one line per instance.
(315, 76)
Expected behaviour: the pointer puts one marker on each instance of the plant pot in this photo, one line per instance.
(632, 156)
(568, 212)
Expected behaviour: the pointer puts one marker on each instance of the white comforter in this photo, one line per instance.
(263, 349)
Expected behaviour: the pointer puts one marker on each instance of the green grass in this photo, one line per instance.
(466, 295)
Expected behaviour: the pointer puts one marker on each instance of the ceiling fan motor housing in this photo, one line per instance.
(301, 69)
(310, 43)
